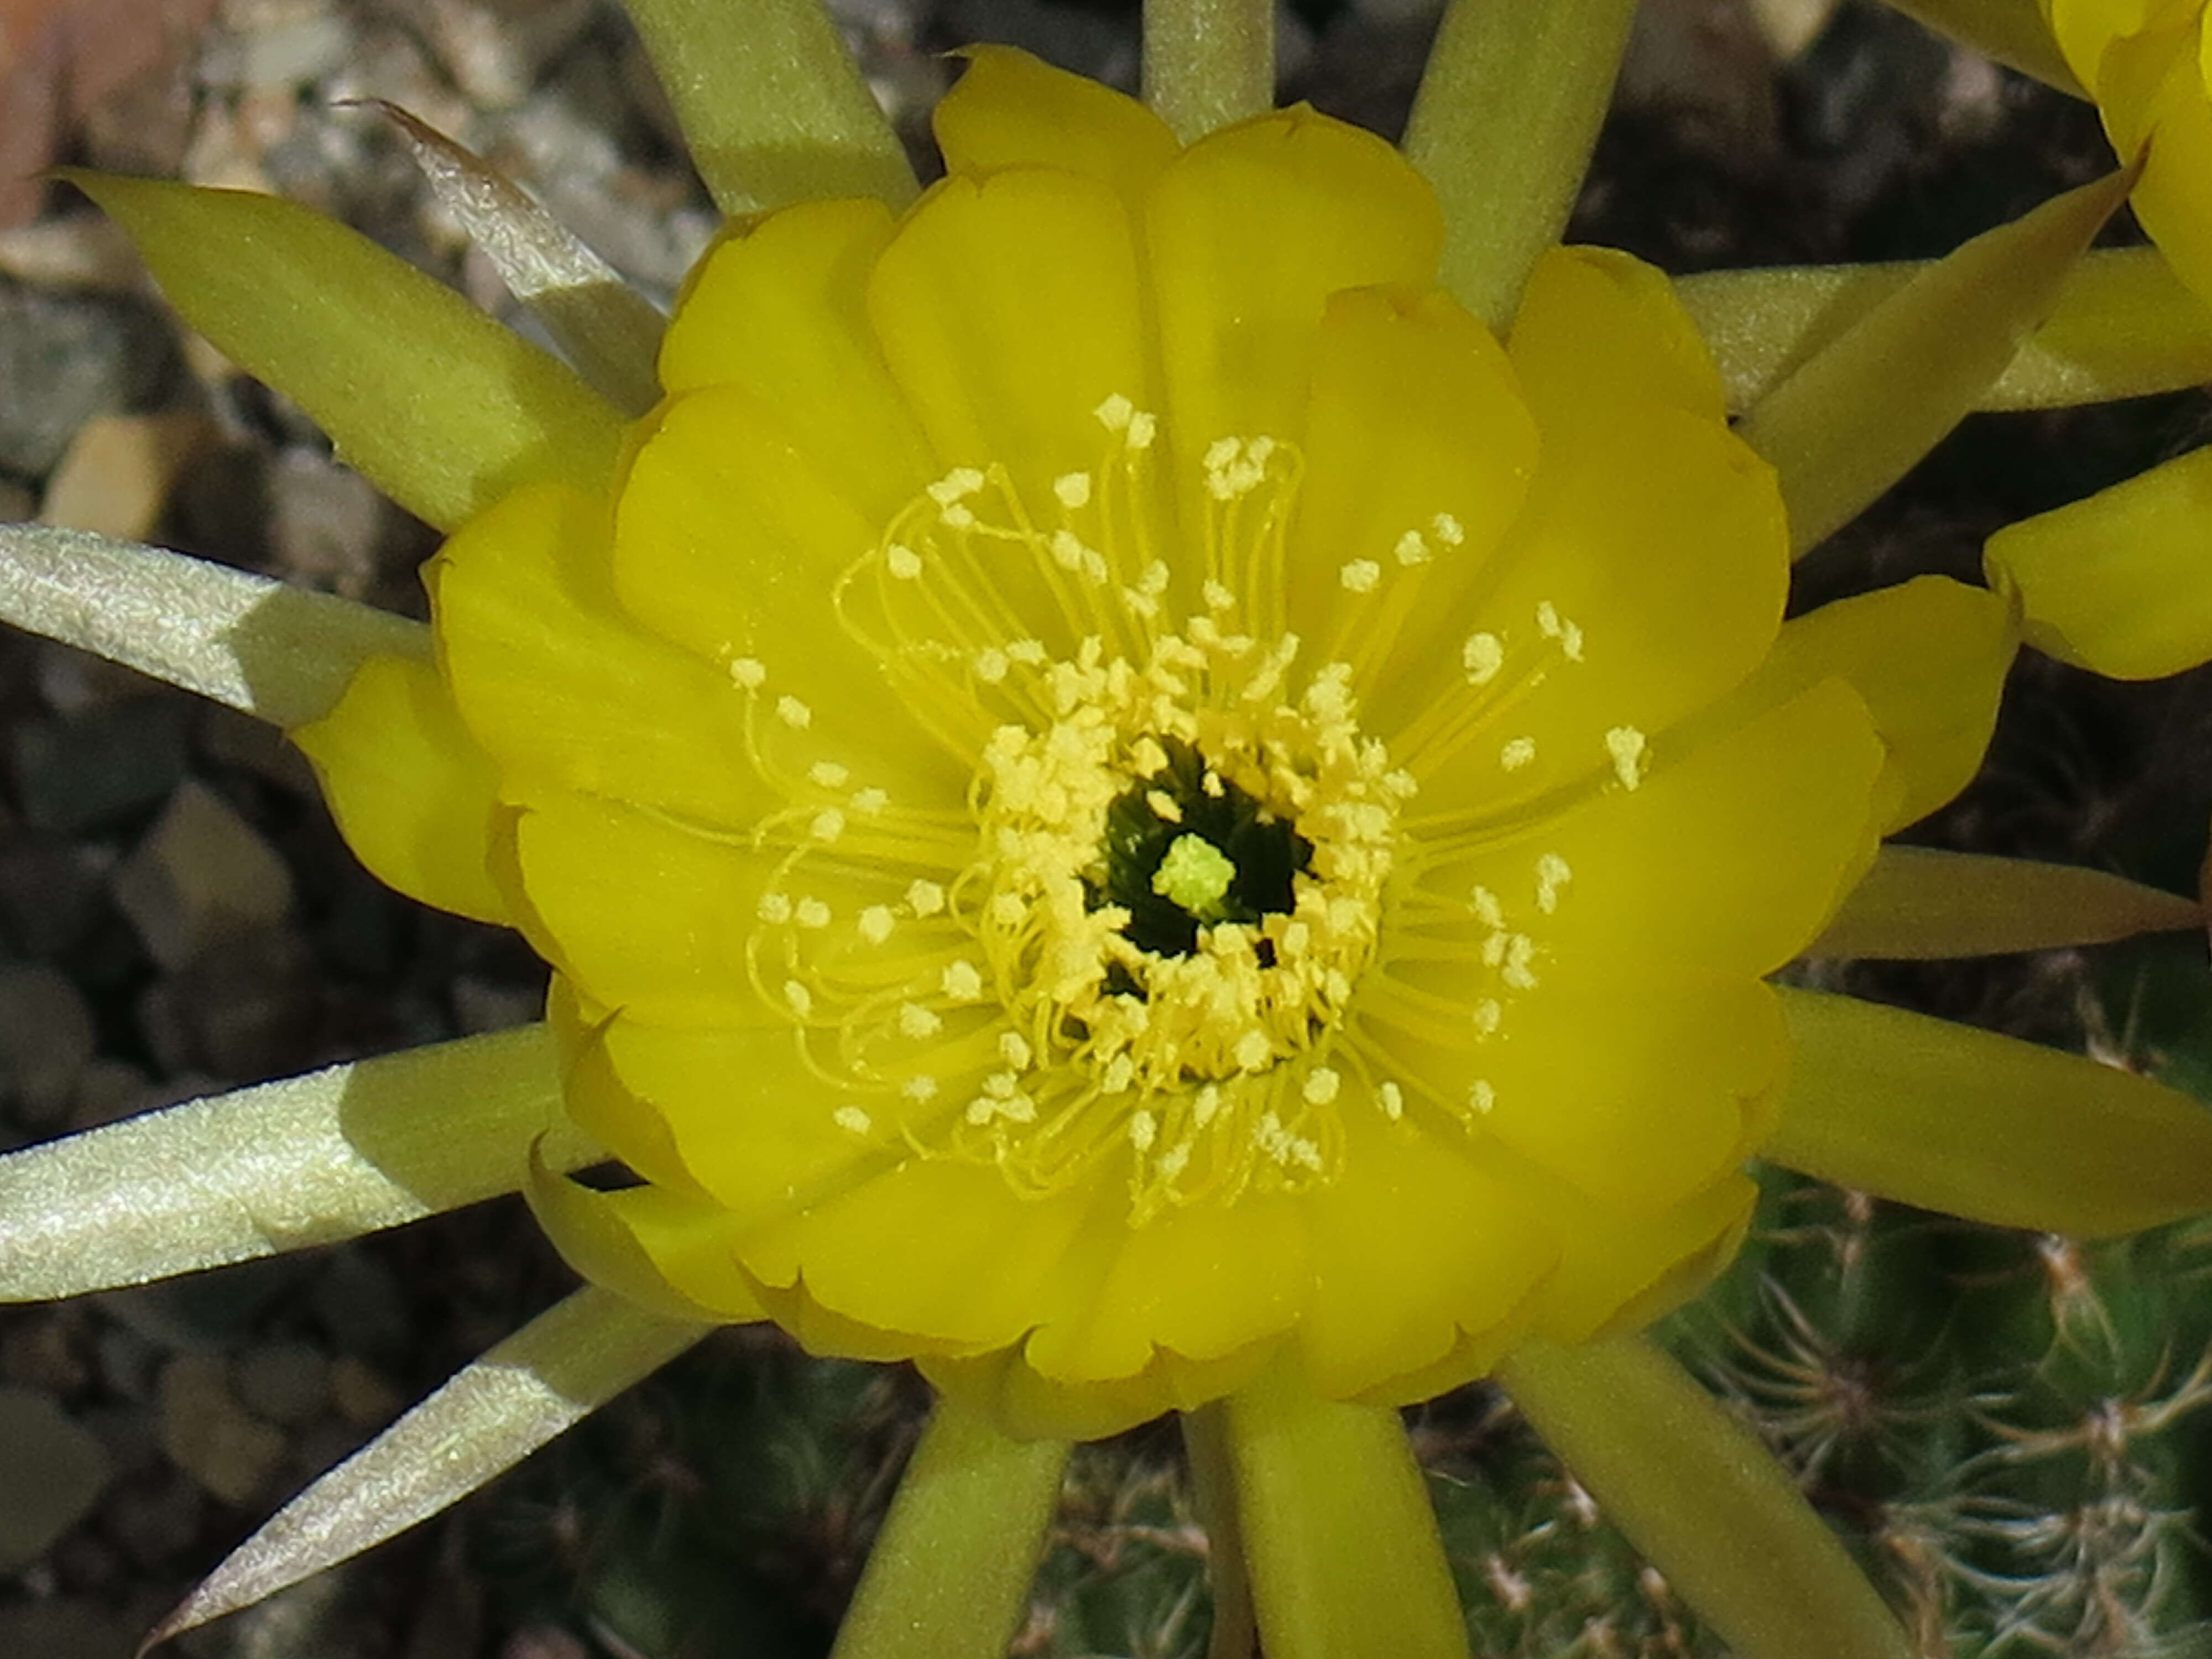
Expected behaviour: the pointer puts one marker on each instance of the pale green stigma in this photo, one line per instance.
(1196, 875)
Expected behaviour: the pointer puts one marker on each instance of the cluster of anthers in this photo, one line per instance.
(1172, 866)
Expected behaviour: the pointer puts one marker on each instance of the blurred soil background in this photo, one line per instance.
(177, 915)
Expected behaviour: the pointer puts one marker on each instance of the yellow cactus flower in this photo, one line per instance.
(1130, 802)
(1106, 787)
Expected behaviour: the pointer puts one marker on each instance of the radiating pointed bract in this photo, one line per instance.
(1706, 1504)
(772, 107)
(949, 1575)
(608, 330)
(1921, 903)
(283, 653)
(280, 1166)
(2120, 583)
(1209, 63)
(1339, 1538)
(1213, 1488)
(549, 1376)
(1503, 128)
(2124, 326)
(1858, 415)
(1986, 1127)
(2012, 32)
(440, 407)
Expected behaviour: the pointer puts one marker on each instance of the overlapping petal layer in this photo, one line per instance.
(1119, 520)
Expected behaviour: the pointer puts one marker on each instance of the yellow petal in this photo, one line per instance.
(1727, 857)
(1249, 233)
(1598, 328)
(752, 1120)
(1203, 1282)
(780, 310)
(411, 792)
(1618, 1270)
(730, 541)
(1011, 110)
(1645, 578)
(442, 408)
(560, 687)
(1411, 1246)
(1636, 1090)
(657, 1250)
(1918, 902)
(1030, 1406)
(2118, 583)
(666, 941)
(944, 1252)
(595, 1102)
(2174, 198)
(1928, 656)
(1985, 1126)
(1415, 429)
(1008, 306)
(1696, 1492)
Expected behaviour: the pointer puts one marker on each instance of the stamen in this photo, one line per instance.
(1626, 746)
(1482, 656)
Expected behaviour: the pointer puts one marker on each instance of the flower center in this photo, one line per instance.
(1180, 845)
(1185, 849)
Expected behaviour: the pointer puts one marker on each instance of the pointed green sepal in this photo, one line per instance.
(545, 1378)
(281, 653)
(1859, 414)
(1208, 62)
(2012, 32)
(1920, 903)
(280, 1166)
(772, 107)
(1706, 1504)
(440, 407)
(608, 330)
(1235, 1634)
(1503, 128)
(2124, 326)
(1340, 1540)
(1949, 1118)
(949, 1576)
